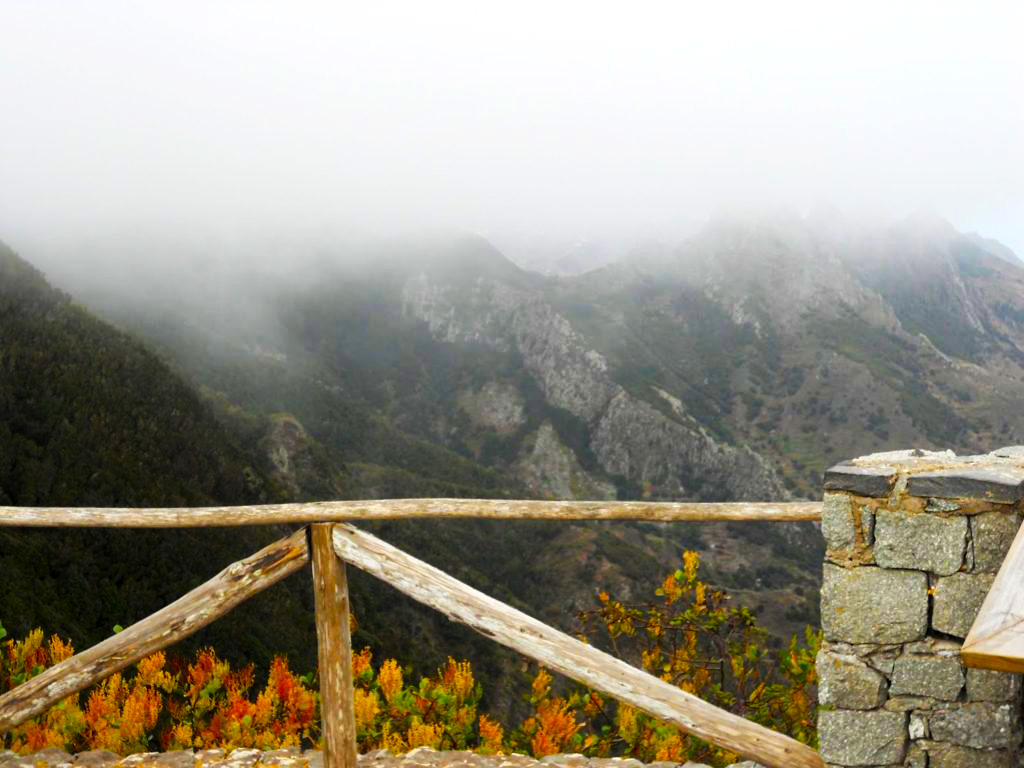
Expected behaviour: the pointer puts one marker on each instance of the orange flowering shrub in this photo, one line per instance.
(203, 703)
(691, 637)
(27, 658)
(182, 705)
(555, 727)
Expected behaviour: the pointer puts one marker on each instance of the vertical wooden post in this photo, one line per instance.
(330, 588)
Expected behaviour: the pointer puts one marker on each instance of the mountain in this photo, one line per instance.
(810, 344)
(736, 364)
(89, 416)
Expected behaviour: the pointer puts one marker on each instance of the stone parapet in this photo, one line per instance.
(913, 542)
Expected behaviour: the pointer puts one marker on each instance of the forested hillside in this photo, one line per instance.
(88, 416)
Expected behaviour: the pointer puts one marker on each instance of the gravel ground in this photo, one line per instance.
(296, 758)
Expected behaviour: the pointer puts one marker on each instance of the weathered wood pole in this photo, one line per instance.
(568, 655)
(395, 509)
(334, 649)
(195, 610)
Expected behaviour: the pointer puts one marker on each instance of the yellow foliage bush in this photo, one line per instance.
(691, 637)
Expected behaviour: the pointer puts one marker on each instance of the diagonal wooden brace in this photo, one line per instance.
(211, 600)
(567, 655)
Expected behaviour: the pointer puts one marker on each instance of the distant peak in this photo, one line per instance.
(928, 223)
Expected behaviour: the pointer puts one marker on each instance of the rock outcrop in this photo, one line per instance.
(631, 439)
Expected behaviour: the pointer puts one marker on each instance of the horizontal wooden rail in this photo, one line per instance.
(567, 655)
(232, 586)
(340, 511)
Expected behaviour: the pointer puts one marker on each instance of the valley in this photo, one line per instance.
(735, 365)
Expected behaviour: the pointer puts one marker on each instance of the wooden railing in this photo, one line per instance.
(328, 543)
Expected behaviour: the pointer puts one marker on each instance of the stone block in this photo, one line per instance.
(989, 685)
(941, 505)
(882, 660)
(916, 757)
(953, 756)
(918, 726)
(242, 757)
(923, 542)
(177, 759)
(993, 532)
(839, 522)
(937, 677)
(847, 682)
(996, 483)
(96, 758)
(51, 756)
(981, 726)
(937, 646)
(862, 738)
(863, 481)
(958, 599)
(909, 703)
(137, 759)
(873, 605)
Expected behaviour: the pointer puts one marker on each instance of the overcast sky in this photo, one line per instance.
(515, 119)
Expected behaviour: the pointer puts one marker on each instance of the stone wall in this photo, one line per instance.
(914, 540)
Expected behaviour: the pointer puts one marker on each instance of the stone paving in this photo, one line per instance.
(422, 757)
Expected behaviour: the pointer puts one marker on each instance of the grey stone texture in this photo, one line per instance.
(862, 738)
(997, 483)
(941, 505)
(957, 600)
(838, 522)
(863, 481)
(942, 646)
(917, 728)
(981, 726)
(176, 759)
(97, 758)
(953, 756)
(937, 677)
(53, 756)
(916, 757)
(910, 703)
(281, 757)
(847, 682)
(138, 759)
(882, 660)
(873, 605)
(990, 685)
(992, 533)
(923, 541)
(893, 690)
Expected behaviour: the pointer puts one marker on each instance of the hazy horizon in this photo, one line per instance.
(533, 123)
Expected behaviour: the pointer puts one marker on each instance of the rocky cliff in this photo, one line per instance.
(663, 456)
